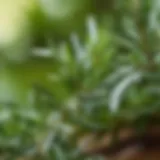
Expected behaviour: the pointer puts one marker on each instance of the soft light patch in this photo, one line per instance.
(13, 19)
(59, 9)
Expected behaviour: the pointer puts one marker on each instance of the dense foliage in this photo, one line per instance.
(68, 67)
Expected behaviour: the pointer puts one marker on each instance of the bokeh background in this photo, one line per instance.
(68, 67)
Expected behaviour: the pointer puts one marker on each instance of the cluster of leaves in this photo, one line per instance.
(109, 77)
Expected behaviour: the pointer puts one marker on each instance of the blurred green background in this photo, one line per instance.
(68, 67)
